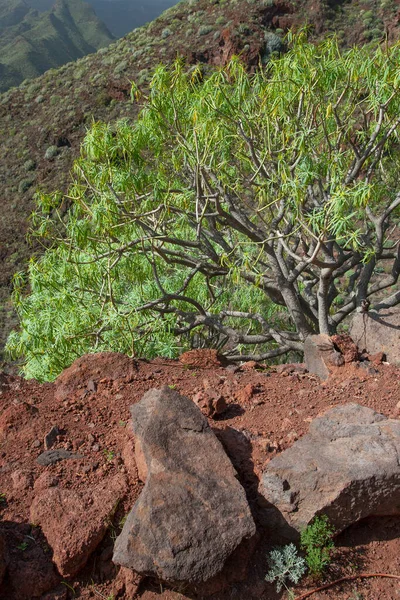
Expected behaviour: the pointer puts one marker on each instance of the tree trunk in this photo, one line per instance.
(323, 308)
(296, 312)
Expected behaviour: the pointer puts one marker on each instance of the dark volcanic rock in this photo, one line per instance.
(346, 467)
(59, 593)
(3, 557)
(192, 513)
(51, 437)
(32, 575)
(50, 457)
(346, 346)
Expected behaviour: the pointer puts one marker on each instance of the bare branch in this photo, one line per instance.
(260, 357)
(389, 302)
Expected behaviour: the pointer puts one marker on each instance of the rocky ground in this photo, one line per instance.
(80, 499)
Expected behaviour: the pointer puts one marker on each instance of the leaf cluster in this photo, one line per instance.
(317, 542)
(285, 564)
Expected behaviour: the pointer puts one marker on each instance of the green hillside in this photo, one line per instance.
(12, 13)
(31, 43)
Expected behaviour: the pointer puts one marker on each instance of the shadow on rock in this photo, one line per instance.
(239, 449)
(371, 529)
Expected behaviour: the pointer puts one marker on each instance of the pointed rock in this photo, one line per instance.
(192, 513)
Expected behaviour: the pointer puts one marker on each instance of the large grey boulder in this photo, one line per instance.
(378, 331)
(192, 513)
(347, 467)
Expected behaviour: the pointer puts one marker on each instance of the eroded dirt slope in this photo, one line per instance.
(267, 411)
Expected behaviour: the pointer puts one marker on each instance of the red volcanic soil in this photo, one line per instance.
(268, 409)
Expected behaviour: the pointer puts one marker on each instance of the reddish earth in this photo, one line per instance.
(268, 409)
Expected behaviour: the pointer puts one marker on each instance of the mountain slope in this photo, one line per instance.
(42, 122)
(31, 43)
(13, 12)
(120, 16)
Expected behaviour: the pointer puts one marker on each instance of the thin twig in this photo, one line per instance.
(343, 579)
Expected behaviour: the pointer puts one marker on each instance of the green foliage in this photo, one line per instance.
(273, 43)
(51, 152)
(23, 546)
(24, 185)
(166, 33)
(205, 29)
(244, 29)
(55, 100)
(109, 455)
(29, 165)
(207, 221)
(317, 542)
(285, 564)
(120, 67)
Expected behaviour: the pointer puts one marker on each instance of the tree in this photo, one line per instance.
(244, 211)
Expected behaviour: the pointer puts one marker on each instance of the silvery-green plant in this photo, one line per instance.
(285, 564)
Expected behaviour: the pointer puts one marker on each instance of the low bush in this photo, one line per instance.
(317, 542)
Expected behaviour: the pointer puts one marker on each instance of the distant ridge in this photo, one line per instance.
(31, 43)
(120, 16)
